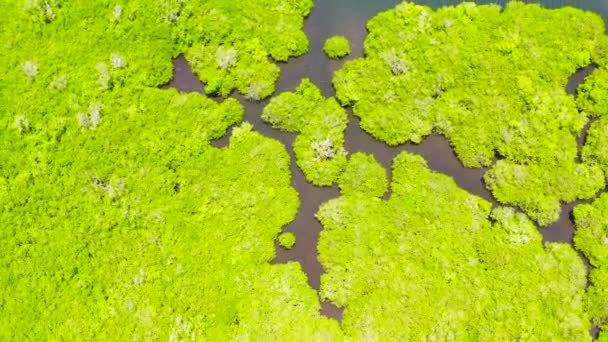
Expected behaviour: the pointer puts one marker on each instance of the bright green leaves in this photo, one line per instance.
(592, 230)
(593, 93)
(287, 240)
(241, 66)
(279, 305)
(381, 102)
(291, 111)
(597, 298)
(336, 47)
(539, 188)
(363, 175)
(591, 238)
(492, 82)
(432, 262)
(231, 42)
(79, 55)
(348, 90)
(140, 229)
(539, 170)
(92, 47)
(520, 230)
(118, 219)
(527, 139)
(439, 191)
(321, 123)
(595, 151)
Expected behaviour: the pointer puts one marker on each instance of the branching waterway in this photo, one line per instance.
(349, 18)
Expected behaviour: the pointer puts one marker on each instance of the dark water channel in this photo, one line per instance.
(349, 18)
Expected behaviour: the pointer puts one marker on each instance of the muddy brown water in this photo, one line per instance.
(349, 18)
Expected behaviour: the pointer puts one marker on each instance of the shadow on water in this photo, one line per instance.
(349, 18)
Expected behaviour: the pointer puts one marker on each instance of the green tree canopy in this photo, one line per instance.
(491, 81)
(434, 263)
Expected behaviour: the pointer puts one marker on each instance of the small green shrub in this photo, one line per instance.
(287, 240)
(336, 47)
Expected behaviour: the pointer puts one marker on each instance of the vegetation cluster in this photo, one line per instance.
(592, 239)
(336, 47)
(321, 123)
(595, 150)
(491, 81)
(409, 268)
(120, 220)
(83, 48)
(231, 42)
(141, 229)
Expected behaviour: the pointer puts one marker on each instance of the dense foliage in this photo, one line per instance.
(321, 123)
(538, 188)
(593, 93)
(592, 239)
(287, 240)
(231, 42)
(87, 47)
(492, 82)
(595, 150)
(97, 242)
(336, 47)
(432, 263)
(119, 220)
(363, 175)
